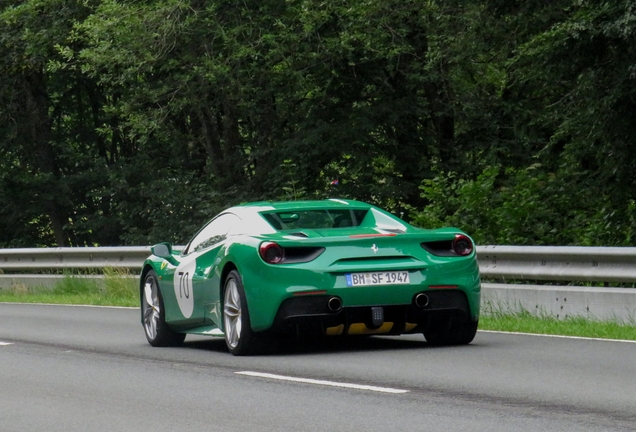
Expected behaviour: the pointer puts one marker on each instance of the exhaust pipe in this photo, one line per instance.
(334, 304)
(421, 300)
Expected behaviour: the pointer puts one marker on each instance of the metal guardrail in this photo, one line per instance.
(511, 264)
(66, 258)
(45, 267)
(558, 263)
(507, 264)
(537, 263)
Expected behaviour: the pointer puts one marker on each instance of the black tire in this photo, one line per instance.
(239, 337)
(153, 315)
(462, 334)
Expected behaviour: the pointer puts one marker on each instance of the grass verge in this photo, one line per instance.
(116, 288)
(525, 322)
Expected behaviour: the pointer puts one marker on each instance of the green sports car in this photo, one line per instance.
(328, 268)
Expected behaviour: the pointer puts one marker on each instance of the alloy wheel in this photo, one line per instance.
(152, 310)
(232, 313)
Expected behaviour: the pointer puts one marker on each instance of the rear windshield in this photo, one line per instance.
(315, 219)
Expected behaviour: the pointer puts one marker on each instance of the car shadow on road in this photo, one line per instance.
(289, 346)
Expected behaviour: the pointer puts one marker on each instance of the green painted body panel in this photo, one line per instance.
(372, 248)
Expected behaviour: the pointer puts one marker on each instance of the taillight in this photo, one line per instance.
(271, 252)
(462, 245)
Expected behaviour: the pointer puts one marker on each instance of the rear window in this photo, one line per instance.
(315, 219)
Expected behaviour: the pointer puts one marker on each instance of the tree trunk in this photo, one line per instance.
(37, 108)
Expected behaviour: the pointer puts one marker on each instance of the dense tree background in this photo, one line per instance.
(129, 122)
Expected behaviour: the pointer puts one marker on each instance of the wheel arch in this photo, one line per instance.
(229, 266)
(144, 271)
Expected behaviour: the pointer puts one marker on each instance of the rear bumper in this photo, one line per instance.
(268, 288)
(312, 315)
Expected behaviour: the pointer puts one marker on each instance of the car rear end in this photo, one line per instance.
(375, 275)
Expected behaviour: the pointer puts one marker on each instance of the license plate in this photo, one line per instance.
(378, 278)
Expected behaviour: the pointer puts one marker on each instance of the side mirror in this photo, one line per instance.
(163, 250)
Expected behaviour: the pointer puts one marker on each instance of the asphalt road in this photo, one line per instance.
(91, 369)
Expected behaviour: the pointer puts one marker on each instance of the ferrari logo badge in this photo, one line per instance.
(374, 248)
(164, 265)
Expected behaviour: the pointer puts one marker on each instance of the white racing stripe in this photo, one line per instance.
(322, 382)
(5, 343)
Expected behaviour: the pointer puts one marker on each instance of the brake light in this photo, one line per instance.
(271, 252)
(462, 245)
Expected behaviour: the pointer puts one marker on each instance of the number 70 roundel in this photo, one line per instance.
(183, 286)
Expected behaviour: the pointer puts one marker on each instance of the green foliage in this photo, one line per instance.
(134, 122)
(292, 189)
(525, 206)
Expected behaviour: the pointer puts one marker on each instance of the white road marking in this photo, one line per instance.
(322, 382)
(5, 343)
(559, 336)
